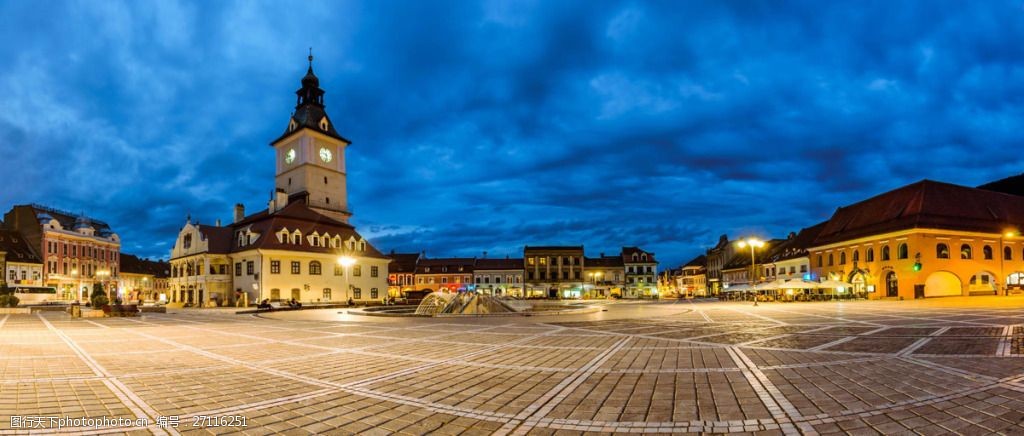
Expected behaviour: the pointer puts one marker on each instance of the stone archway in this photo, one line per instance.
(943, 284)
(982, 283)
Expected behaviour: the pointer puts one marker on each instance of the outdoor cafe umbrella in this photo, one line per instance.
(800, 284)
(836, 284)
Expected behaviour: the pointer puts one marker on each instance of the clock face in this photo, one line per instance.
(325, 155)
(290, 156)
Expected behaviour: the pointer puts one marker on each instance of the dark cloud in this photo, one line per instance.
(491, 125)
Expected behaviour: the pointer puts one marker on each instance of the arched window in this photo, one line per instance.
(314, 268)
(856, 256)
(842, 258)
(942, 251)
(885, 253)
(1007, 253)
(188, 242)
(902, 252)
(820, 262)
(986, 251)
(965, 251)
(869, 255)
(831, 259)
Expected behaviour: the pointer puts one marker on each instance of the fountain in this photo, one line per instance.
(462, 303)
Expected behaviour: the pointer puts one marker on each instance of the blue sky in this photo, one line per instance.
(484, 126)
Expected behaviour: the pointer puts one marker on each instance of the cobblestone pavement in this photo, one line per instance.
(928, 367)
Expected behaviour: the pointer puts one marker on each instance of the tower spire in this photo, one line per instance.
(311, 58)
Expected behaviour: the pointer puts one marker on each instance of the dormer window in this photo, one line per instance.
(296, 238)
(292, 125)
(362, 245)
(323, 124)
(187, 243)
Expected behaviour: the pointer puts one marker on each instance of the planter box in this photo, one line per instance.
(121, 310)
(87, 313)
(153, 309)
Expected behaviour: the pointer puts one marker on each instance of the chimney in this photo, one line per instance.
(218, 222)
(239, 212)
(280, 199)
(602, 254)
(485, 255)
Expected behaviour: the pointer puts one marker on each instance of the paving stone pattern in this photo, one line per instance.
(950, 366)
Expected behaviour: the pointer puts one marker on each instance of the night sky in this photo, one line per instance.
(486, 126)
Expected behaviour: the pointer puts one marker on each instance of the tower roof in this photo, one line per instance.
(309, 109)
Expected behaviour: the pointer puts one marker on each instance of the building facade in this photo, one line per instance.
(402, 273)
(450, 274)
(499, 277)
(605, 277)
(77, 251)
(717, 257)
(142, 280)
(19, 265)
(553, 271)
(693, 278)
(927, 239)
(302, 246)
(641, 273)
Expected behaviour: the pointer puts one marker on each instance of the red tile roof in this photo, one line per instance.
(926, 204)
(499, 264)
(16, 247)
(627, 255)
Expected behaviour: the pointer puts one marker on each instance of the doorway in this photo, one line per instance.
(891, 285)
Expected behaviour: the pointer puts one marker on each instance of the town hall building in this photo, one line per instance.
(302, 246)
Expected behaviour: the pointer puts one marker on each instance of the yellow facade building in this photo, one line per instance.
(927, 239)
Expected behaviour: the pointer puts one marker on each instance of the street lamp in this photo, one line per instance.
(1008, 234)
(346, 261)
(753, 243)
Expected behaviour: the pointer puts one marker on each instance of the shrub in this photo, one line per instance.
(8, 300)
(99, 296)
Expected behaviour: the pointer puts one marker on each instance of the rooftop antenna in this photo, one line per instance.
(311, 58)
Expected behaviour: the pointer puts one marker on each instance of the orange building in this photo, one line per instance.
(926, 239)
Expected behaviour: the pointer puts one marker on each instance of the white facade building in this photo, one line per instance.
(302, 246)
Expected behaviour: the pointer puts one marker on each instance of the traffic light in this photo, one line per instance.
(917, 266)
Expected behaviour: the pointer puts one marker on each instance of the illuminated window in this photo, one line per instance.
(966, 252)
(942, 251)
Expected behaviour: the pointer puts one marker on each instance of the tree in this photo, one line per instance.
(99, 296)
(7, 298)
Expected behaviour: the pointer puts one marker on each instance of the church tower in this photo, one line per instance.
(310, 156)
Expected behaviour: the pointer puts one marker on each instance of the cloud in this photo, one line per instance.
(497, 124)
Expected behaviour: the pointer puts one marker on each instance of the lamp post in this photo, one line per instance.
(753, 243)
(345, 261)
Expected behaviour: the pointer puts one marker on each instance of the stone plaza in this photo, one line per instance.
(937, 366)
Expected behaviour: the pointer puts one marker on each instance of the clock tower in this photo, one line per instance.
(310, 156)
